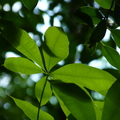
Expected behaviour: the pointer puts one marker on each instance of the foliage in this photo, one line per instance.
(71, 83)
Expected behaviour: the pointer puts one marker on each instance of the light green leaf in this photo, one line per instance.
(76, 100)
(104, 3)
(47, 91)
(30, 4)
(21, 41)
(116, 36)
(55, 47)
(80, 74)
(21, 65)
(112, 56)
(111, 110)
(31, 111)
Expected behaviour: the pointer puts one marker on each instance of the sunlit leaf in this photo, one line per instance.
(116, 36)
(76, 100)
(80, 74)
(92, 12)
(111, 110)
(31, 111)
(55, 46)
(112, 56)
(21, 65)
(20, 40)
(30, 4)
(47, 91)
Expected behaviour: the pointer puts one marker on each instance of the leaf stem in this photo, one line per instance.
(38, 113)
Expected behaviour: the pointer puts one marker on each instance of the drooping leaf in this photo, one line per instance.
(116, 36)
(47, 91)
(31, 111)
(98, 33)
(94, 16)
(30, 4)
(104, 3)
(80, 74)
(21, 65)
(20, 40)
(112, 56)
(117, 13)
(76, 100)
(55, 46)
(111, 110)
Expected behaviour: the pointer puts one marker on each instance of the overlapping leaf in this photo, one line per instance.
(55, 46)
(76, 100)
(39, 89)
(112, 56)
(80, 74)
(31, 111)
(111, 110)
(21, 65)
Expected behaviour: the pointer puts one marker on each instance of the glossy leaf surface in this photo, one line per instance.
(21, 65)
(47, 91)
(80, 74)
(93, 13)
(31, 111)
(21, 41)
(112, 56)
(76, 100)
(55, 46)
(111, 110)
(116, 36)
(30, 4)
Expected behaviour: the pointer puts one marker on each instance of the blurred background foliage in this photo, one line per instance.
(46, 13)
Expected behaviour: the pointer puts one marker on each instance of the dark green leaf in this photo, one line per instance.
(31, 111)
(116, 36)
(83, 75)
(112, 56)
(55, 46)
(111, 110)
(77, 101)
(47, 91)
(30, 4)
(21, 41)
(22, 65)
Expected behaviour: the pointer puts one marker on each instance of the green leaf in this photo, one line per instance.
(117, 14)
(47, 91)
(20, 40)
(98, 33)
(116, 36)
(76, 100)
(111, 110)
(112, 56)
(92, 12)
(21, 65)
(30, 4)
(104, 3)
(31, 111)
(55, 47)
(83, 75)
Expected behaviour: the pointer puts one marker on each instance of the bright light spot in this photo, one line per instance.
(11, 54)
(21, 14)
(96, 5)
(16, 6)
(61, 63)
(31, 35)
(7, 105)
(118, 49)
(67, 1)
(30, 82)
(79, 48)
(107, 36)
(6, 7)
(53, 100)
(97, 95)
(4, 80)
(50, 12)
(43, 27)
(57, 8)
(42, 5)
(56, 22)
(36, 77)
(36, 11)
